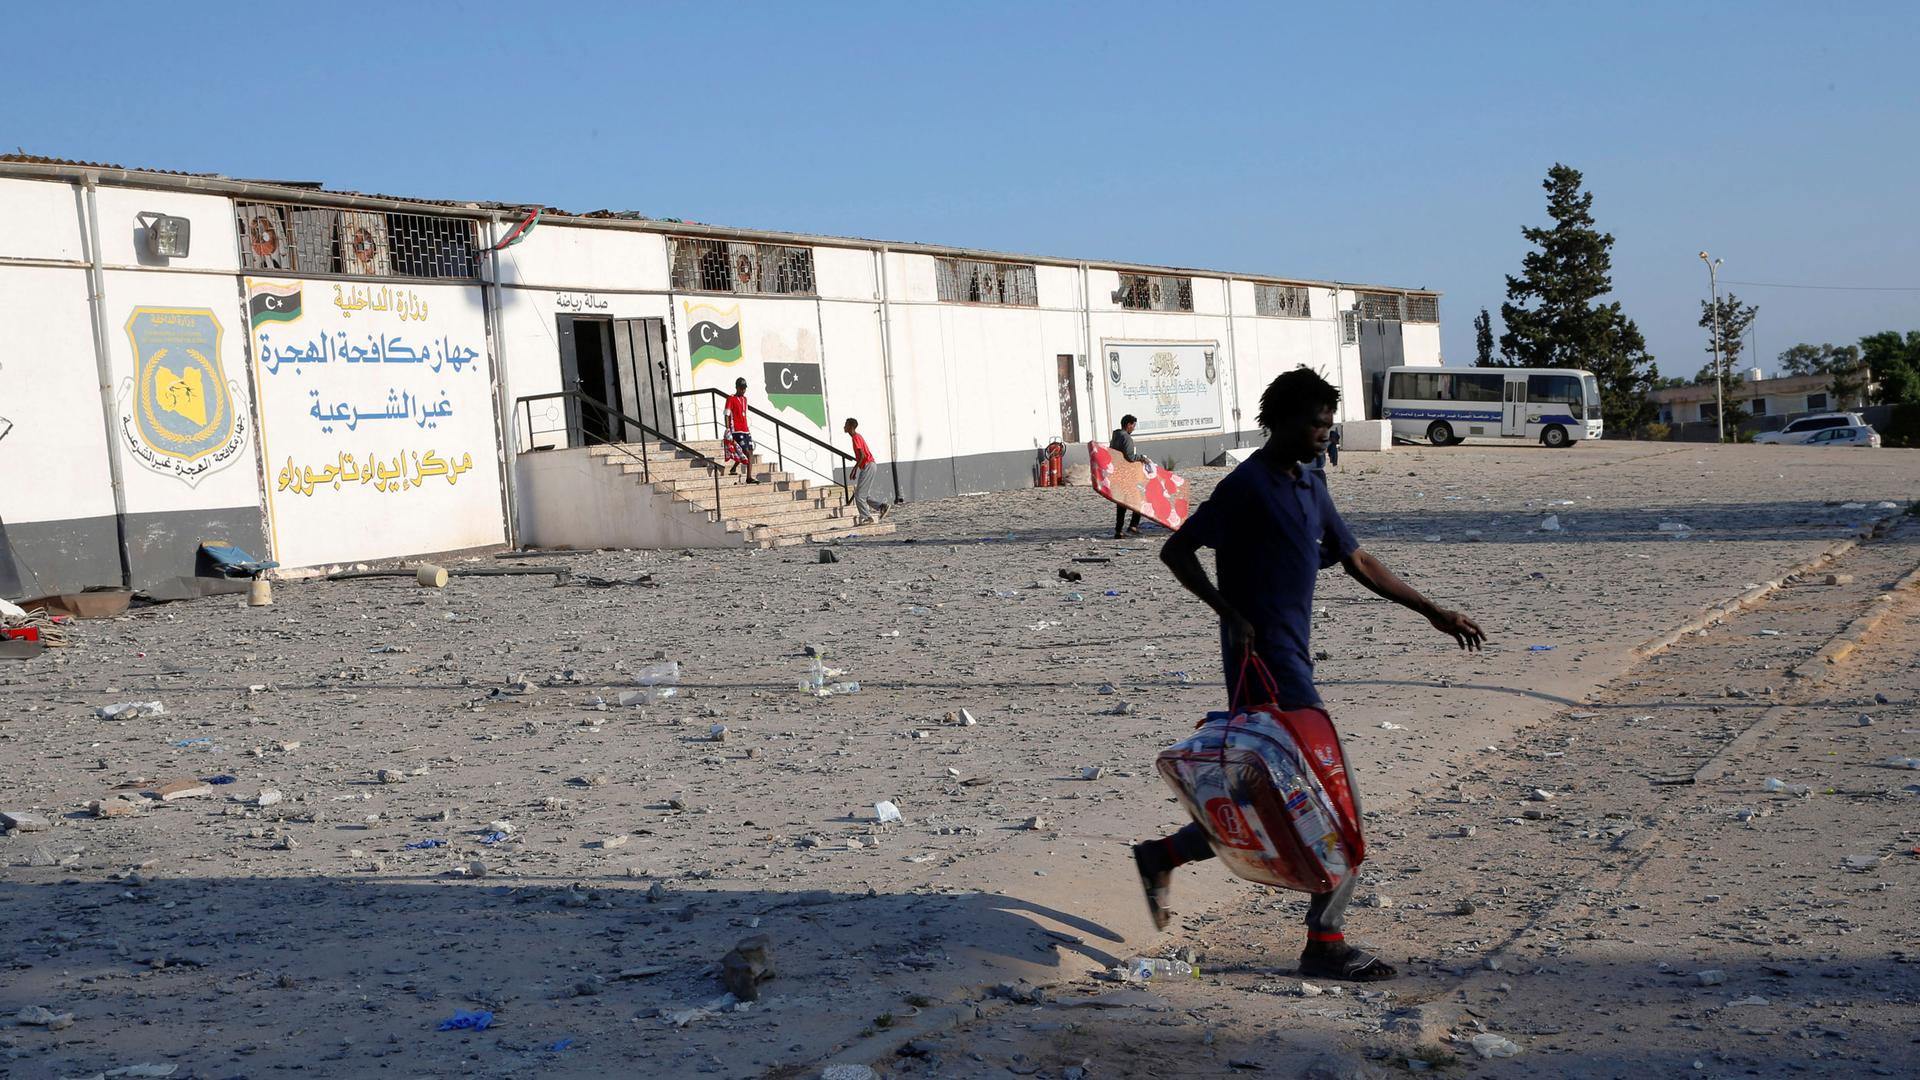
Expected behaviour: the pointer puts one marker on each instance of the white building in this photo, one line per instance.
(326, 377)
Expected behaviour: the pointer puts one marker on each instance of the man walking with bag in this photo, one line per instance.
(1273, 528)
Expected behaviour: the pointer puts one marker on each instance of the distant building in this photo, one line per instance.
(1784, 397)
(325, 377)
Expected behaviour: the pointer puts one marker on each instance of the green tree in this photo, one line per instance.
(1804, 359)
(1732, 325)
(1893, 362)
(1552, 315)
(1483, 341)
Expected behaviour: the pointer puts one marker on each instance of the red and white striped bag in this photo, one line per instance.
(1270, 788)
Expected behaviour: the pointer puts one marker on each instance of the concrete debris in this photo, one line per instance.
(21, 821)
(749, 964)
(131, 710)
(40, 1016)
(174, 790)
(1489, 1045)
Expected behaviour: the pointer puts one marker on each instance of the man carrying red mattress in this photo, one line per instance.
(739, 441)
(1273, 528)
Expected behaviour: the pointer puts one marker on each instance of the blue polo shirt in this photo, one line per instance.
(1272, 533)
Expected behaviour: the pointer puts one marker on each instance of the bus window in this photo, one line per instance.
(1593, 397)
(1475, 386)
(1556, 390)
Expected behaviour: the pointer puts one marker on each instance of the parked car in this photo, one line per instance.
(1845, 436)
(1803, 429)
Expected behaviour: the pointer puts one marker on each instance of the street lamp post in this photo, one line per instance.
(1719, 375)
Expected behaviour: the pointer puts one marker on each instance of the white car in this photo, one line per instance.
(1844, 436)
(1805, 428)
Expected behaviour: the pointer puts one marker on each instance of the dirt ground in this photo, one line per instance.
(232, 939)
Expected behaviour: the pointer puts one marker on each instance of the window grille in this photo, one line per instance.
(727, 266)
(1154, 292)
(1349, 327)
(1379, 305)
(1423, 308)
(1283, 301)
(297, 239)
(971, 281)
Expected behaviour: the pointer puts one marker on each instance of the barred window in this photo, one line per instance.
(1379, 305)
(1349, 327)
(1284, 301)
(1154, 292)
(1423, 307)
(727, 266)
(971, 281)
(290, 238)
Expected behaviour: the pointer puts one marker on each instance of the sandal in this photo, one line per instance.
(1343, 962)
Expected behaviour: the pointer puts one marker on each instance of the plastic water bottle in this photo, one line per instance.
(665, 673)
(1145, 968)
(850, 687)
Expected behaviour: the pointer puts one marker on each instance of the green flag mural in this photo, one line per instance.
(798, 387)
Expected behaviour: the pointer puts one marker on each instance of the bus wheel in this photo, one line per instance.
(1555, 437)
(1441, 433)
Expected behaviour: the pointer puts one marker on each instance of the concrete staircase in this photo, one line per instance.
(779, 511)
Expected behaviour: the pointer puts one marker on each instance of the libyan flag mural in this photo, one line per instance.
(713, 335)
(797, 387)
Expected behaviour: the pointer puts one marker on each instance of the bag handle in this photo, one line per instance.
(1250, 661)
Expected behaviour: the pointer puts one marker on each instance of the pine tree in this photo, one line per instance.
(1483, 341)
(1551, 316)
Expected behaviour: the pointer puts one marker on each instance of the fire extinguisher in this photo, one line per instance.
(1056, 467)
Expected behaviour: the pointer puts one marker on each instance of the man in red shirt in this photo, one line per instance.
(739, 441)
(865, 509)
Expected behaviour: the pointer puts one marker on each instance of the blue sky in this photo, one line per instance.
(1397, 143)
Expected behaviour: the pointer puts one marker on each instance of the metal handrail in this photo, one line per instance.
(845, 483)
(575, 399)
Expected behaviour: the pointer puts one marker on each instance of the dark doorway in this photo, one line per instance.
(1380, 348)
(1069, 399)
(623, 364)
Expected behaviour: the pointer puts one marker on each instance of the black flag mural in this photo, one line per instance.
(798, 387)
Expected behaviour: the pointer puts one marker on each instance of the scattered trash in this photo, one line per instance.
(1112, 592)
(886, 811)
(1141, 969)
(1489, 1045)
(1069, 575)
(666, 673)
(748, 965)
(1540, 648)
(1550, 523)
(220, 780)
(462, 1020)
(267, 797)
(827, 556)
(916, 609)
(723, 1003)
(1388, 725)
(1675, 527)
(652, 695)
(494, 837)
(1092, 772)
(422, 845)
(131, 710)
(1710, 977)
(185, 743)
(1774, 783)
(431, 577)
(1902, 763)
(1860, 864)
